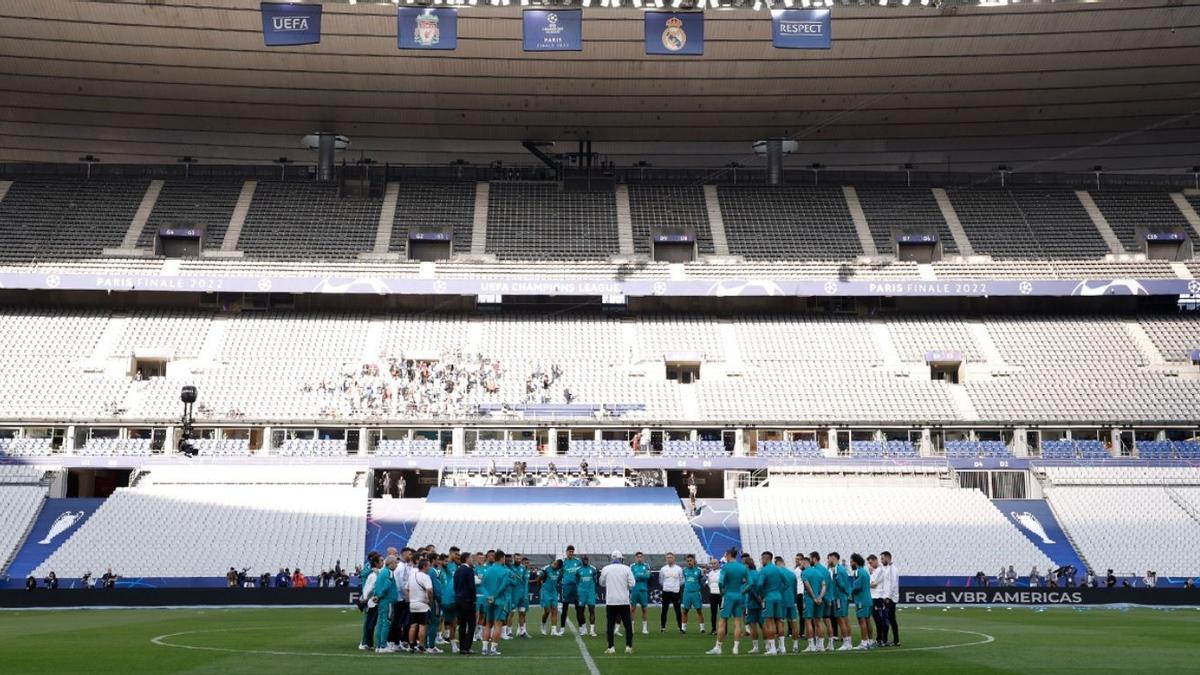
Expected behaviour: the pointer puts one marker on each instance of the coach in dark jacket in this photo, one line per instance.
(464, 600)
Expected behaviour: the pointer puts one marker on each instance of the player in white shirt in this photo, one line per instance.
(714, 593)
(420, 601)
(670, 579)
(617, 580)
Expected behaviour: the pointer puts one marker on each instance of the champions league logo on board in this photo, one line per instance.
(674, 37)
(427, 32)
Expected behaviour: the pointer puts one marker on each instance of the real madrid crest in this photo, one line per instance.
(427, 32)
(673, 37)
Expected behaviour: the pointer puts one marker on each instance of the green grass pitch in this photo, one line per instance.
(1018, 640)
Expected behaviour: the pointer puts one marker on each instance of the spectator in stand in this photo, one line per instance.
(1110, 579)
(282, 579)
(1189, 584)
(1090, 579)
(231, 578)
(86, 580)
(52, 580)
(264, 581)
(1151, 579)
(982, 579)
(1035, 579)
(299, 580)
(30, 583)
(108, 580)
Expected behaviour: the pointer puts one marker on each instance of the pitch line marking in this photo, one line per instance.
(587, 658)
(162, 641)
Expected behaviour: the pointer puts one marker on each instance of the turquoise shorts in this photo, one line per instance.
(862, 610)
(480, 605)
(639, 597)
(812, 610)
(790, 613)
(549, 600)
(692, 601)
(841, 608)
(521, 602)
(733, 606)
(754, 613)
(772, 606)
(496, 613)
(570, 594)
(587, 598)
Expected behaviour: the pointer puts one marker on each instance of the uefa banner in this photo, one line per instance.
(675, 33)
(552, 31)
(427, 28)
(800, 28)
(290, 24)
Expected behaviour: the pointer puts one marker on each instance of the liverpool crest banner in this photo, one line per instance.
(552, 31)
(675, 33)
(427, 28)
(290, 24)
(800, 28)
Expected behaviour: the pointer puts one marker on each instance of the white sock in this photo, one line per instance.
(701, 626)
(756, 644)
(820, 643)
(782, 644)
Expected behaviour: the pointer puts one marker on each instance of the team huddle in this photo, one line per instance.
(417, 601)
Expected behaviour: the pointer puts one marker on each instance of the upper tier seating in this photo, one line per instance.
(44, 218)
(890, 210)
(193, 203)
(1027, 223)
(25, 447)
(222, 447)
(1175, 336)
(974, 449)
(788, 223)
(434, 205)
(1126, 210)
(536, 221)
(263, 527)
(668, 206)
(931, 530)
(499, 448)
(299, 221)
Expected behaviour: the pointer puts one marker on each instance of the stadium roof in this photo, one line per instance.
(1045, 87)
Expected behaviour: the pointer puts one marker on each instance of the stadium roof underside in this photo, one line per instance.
(1037, 87)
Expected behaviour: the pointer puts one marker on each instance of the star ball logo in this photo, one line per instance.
(1194, 287)
(831, 287)
(1025, 287)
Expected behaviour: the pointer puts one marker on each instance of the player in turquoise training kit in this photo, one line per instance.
(816, 594)
(754, 598)
(497, 581)
(860, 591)
(790, 624)
(521, 593)
(548, 594)
(569, 587)
(733, 582)
(640, 595)
(841, 600)
(771, 586)
(693, 581)
(587, 575)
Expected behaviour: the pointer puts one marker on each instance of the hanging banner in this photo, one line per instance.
(800, 28)
(675, 33)
(427, 28)
(553, 31)
(290, 24)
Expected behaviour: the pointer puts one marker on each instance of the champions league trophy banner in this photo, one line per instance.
(558, 30)
(427, 28)
(675, 33)
(290, 24)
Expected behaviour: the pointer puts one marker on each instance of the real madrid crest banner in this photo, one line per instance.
(800, 28)
(675, 33)
(427, 28)
(559, 30)
(290, 24)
